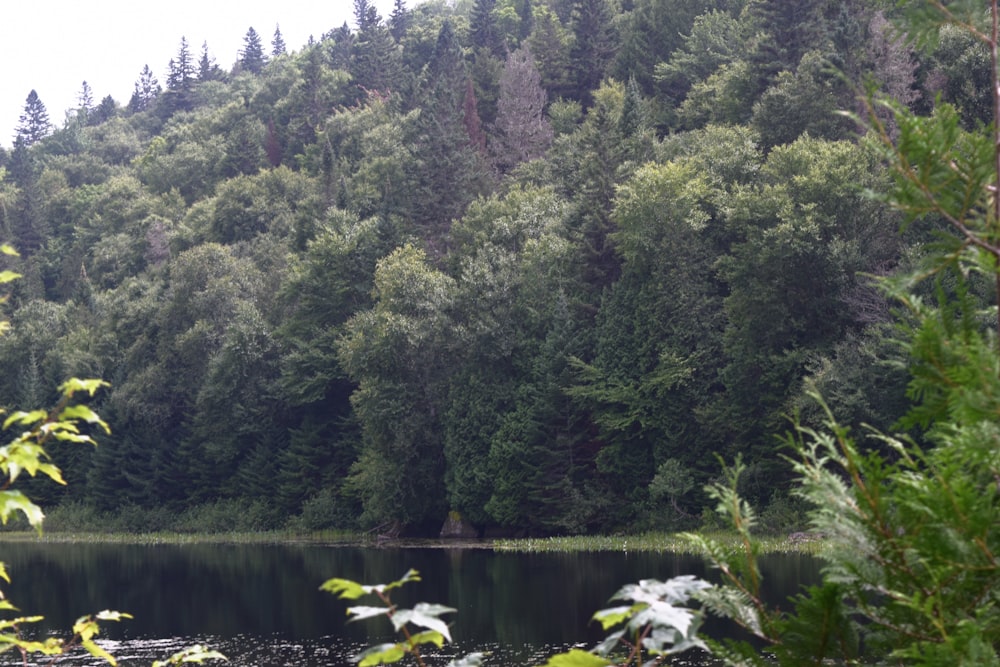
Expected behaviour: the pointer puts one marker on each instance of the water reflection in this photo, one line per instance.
(261, 605)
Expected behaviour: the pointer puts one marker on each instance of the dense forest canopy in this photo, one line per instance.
(537, 262)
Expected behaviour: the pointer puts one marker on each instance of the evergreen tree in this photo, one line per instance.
(451, 173)
(85, 102)
(252, 58)
(181, 72)
(208, 70)
(470, 115)
(594, 46)
(147, 89)
(483, 29)
(399, 20)
(376, 64)
(33, 124)
(104, 112)
(366, 15)
(522, 131)
(278, 43)
(786, 30)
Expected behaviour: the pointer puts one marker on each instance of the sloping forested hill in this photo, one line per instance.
(537, 262)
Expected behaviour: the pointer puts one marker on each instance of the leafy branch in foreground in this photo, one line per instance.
(422, 615)
(654, 626)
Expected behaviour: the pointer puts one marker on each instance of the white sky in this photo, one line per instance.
(53, 46)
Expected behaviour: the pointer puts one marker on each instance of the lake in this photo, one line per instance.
(261, 605)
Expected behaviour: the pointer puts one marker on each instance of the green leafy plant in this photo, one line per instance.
(423, 615)
(653, 626)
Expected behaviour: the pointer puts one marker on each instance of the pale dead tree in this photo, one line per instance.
(521, 132)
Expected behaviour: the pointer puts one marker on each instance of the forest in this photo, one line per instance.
(538, 263)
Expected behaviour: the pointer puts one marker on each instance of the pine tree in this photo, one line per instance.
(278, 43)
(252, 58)
(33, 123)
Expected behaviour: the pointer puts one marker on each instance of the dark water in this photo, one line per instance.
(261, 605)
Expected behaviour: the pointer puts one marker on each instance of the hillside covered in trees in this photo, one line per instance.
(538, 262)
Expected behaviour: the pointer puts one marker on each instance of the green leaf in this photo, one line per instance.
(608, 618)
(98, 652)
(8, 249)
(8, 276)
(14, 501)
(428, 637)
(383, 654)
(26, 418)
(345, 589)
(577, 658)
(84, 413)
(73, 385)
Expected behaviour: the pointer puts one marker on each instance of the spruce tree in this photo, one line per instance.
(252, 58)
(452, 173)
(147, 89)
(399, 20)
(483, 28)
(33, 123)
(208, 70)
(278, 43)
(85, 101)
(594, 46)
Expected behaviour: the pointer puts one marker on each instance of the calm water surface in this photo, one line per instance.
(261, 605)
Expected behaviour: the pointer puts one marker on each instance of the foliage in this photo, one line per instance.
(68, 422)
(404, 621)
(646, 203)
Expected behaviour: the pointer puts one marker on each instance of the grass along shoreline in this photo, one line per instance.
(647, 542)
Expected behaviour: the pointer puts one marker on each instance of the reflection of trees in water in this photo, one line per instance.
(250, 595)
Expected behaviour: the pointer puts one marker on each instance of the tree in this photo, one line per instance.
(251, 56)
(182, 69)
(915, 523)
(483, 29)
(33, 124)
(85, 101)
(522, 131)
(146, 91)
(399, 20)
(594, 46)
(396, 352)
(452, 171)
(208, 69)
(277, 43)
(104, 111)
